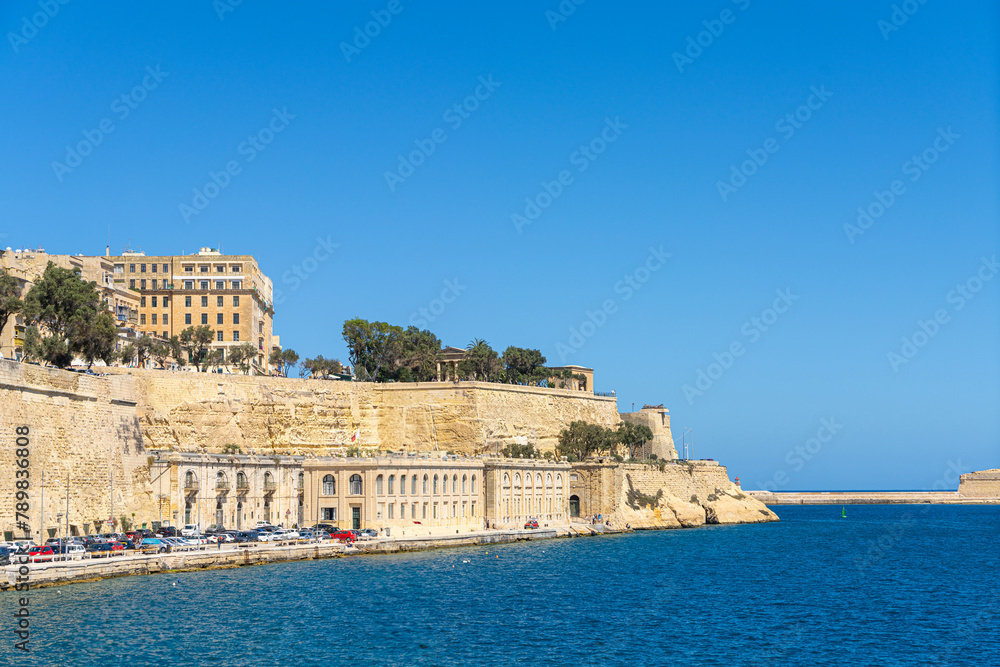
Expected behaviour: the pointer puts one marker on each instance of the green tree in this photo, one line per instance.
(582, 439)
(420, 351)
(242, 356)
(159, 352)
(214, 359)
(481, 362)
(321, 368)
(634, 437)
(143, 345)
(524, 365)
(374, 348)
(284, 360)
(176, 350)
(195, 341)
(516, 451)
(71, 312)
(33, 348)
(127, 354)
(10, 301)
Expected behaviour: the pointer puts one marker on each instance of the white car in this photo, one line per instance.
(190, 530)
(264, 536)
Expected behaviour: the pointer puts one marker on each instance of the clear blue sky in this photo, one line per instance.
(660, 133)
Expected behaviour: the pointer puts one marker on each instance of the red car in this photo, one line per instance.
(343, 536)
(531, 524)
(39, 554)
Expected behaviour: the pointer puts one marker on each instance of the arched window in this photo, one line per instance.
(302, 480)
(538, 480)
(454, 484)
(392, 484)
(435, 483)
(425, 483)
(190, 481)
(548, 480)
(268, 481)
(413, 484)
(378, 485)
(329, 485)
(355, 485)
(402, 485)
(506, 480)
(220, 481)
(241, 480)
(527, 482)
(473, 483)
(517, 480)
(559, 480)
(465, 485)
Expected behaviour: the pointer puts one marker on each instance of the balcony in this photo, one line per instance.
(222, 486)
(191, 486)
(242, 488)
(270, 487)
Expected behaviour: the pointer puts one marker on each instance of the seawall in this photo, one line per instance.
(869, 498)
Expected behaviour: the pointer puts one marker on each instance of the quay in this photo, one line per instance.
(207, 557)
(869, 498)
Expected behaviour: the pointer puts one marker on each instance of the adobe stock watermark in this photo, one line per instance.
(31, 26)
(223, 7)
(363, 35)
(122, 106)
(797, 457)
(696, 44)
(901, 13)
(627, 286)
(562, 12)
(424, 315)
(959, 297)
(752, 329)
(915, 167)
(455, 116)
(581, 158)
(308, 265)
(249, 148)
(786, 126)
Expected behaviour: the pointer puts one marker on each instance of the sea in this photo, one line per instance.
(887, 585)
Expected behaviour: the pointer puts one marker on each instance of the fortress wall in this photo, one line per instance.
(982, 484)
(204, 411)
(79, 424)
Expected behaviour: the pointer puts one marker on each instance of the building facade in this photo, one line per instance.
(230, 490)
(229, 293)
(518, 490)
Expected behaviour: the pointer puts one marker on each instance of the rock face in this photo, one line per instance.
(262, 415)
(732, 506)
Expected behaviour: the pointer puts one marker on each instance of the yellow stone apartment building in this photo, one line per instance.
(161, 295)
(229, 293)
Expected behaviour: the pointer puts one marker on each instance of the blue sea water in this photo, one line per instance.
(888, 585)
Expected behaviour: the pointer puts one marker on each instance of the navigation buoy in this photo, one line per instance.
(843, 512)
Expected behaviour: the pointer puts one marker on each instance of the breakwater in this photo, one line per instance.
(868, 498)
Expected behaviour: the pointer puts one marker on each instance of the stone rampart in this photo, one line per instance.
(981, 484)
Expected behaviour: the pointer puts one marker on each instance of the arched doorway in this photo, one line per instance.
(574, 505)
(239, 515)
(218, 514)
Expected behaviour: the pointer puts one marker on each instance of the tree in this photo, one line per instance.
(481, 362)
(143, 345)
(420, 351)
(33, 349)
(524, 365)
(214, 359)
(159, 351)
(320, 368)
(374, 348)
(176, 350)
(10, 302)
(284, 360)
(242, 357)
(582, 439)
(127, 354)
(71, 312)
(195, 341)
(634, 437)
(516, 451)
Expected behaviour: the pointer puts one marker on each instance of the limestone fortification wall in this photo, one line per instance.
(81, 425)
(204, 412)
(981, 484)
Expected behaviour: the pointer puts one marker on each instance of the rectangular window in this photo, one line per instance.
(236, 336)
(119, 268)
(165, 269)
(220, 269)
(131, 268)
(329, 514)
(187, 318)
(142, 268)
(218, 336)
(131, 283)
(236, 301)
(392, 508)
(204, 318)
(166, 301)
(203, 285)
(189, 269)
(142, 318)
(473, 508)
(454, 509)
(164, 333)
(413, 510)
(220, 284)
(380, 511)
(164, 321)
(142, 283)
(236, 318)
(153, 320)
(218, 301)
(204, 302)
(153, 268)
(187, 302)
(154, 281)
(188, 284)
(423, 511)
(203, 269)
(218, 318)
(237, 268)
(142, 302)
(237, 284)
(465, 509)
(434, 509)
(153, 301)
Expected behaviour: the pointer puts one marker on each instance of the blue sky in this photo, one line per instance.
(623, 126)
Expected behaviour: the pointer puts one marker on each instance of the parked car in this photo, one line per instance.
(154, 545)
(264, 524)
(190, 530)
(369, 533)
(101, 549)
(72, 551)
(265, 536)
(167, 531)
(531, 524)
(39, 554)
(5, 554)
(343, 536)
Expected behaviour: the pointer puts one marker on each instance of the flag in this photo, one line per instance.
(357, 434)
